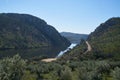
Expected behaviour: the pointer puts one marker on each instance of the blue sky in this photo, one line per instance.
(78, 16)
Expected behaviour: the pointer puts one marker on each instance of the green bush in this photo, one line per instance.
(116, 73)
(66, 74)
(12, 68)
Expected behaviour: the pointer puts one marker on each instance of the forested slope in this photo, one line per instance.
(27, 31)
(105, 42)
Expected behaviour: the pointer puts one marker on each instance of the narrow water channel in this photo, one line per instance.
(70, 47)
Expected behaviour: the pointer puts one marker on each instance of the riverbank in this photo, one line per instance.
(60, 54)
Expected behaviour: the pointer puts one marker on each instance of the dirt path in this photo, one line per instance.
(49, 59)
(89, 48)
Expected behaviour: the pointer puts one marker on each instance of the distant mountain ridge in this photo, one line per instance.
(27, 31)
(74, 37)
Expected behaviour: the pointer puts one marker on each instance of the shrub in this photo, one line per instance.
(12, 68)
(116, 73)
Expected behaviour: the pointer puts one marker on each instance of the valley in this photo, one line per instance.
(89, 48)
(30, 49)
(59, 39)
(59, 54)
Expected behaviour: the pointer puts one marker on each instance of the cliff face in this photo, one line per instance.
(27, 31)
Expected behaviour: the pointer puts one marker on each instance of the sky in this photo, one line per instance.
(78, 16)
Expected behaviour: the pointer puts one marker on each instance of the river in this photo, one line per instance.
(70, 47)
(29, 53)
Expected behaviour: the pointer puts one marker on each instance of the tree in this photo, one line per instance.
(116, 73)
(66, 74)
(12, 68)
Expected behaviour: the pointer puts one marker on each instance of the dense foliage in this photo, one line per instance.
(12, 68)
(27, 31)
(18, 69)
(105, 40)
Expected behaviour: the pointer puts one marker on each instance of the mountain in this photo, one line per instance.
(74, 37)
(105, 42)
(27, 31)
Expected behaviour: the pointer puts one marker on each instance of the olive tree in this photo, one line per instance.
(12, 68)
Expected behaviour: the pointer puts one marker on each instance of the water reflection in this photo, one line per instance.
(29, 53)
(70, 47)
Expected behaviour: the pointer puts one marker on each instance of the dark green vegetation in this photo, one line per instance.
(31, 53)
(73, 37)
(27, 31)
(18, 69)
(29, 36)
(105, 40)
(98, 64)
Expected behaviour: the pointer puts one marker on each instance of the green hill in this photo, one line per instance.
(105, 42)
(27, 31)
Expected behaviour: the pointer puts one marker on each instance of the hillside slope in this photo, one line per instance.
(105, 42)
(27, 31)
(73, 37)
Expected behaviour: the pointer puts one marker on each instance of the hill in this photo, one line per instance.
(105, 42)
(74, 37)
(27, 31)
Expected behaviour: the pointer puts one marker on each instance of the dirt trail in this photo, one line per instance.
(49, 59)
(89, 48)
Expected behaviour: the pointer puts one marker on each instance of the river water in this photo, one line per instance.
(70, 47)
(29, 53)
